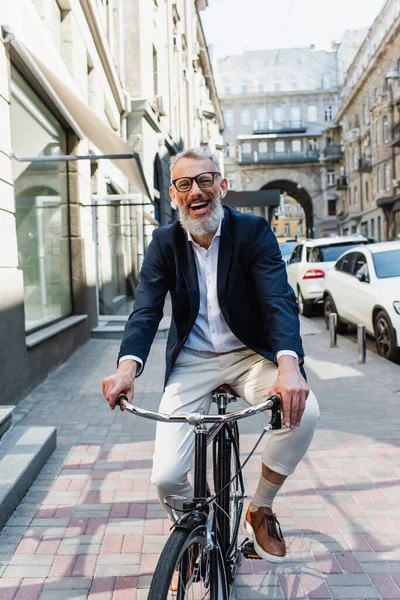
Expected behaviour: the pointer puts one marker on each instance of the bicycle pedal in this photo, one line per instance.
(248, 550)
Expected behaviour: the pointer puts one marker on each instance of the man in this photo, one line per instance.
(234, 322)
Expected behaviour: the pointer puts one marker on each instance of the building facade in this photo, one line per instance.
(87, 132)
(368, 177)
(276, 106)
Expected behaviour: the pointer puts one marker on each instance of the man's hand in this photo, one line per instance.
(291, 386)
(121, 383)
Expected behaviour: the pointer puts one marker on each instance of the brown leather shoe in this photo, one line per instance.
(266, 533)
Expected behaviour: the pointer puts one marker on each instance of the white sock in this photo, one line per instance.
(265, 494)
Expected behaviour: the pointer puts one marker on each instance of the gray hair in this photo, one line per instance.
(196, 153)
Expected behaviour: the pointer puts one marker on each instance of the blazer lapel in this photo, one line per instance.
(224, 256)
(188, 268)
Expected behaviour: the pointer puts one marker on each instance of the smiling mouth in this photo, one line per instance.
(198, 206)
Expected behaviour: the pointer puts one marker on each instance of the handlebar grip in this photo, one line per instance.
(121, 397)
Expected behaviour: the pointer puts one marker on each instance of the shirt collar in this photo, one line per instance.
(217, 233)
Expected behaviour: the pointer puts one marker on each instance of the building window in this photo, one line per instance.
(155, 73)
(278, 114)
(355, 159)
(261, 118)
(312, 114)
(377, 133)
(244, 87)
(385, 131)
(287, 229)
(228, 118)
(331, 208)
(231, 181)
(296, 145)
(326, 81)
(279, 146)
(262, 147)
(299, 228)
(245, 117)
(311, 82)
(328, 114)
(295, 116)
(330, 175)
(299, 208)
(228, 88)
(261, 86)
(293, 83)
(366, 114)
(277, 86)
(41, 207)
(246, 148)
(356, 196)
(387, 178)
(372, 228)
(366, 192)
(312, 144)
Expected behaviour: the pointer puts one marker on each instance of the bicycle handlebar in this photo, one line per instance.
(273, 403)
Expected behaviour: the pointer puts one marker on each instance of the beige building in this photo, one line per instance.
(276, 106)
(369, 125)
(280, 108)
(289, 221)
(95, 96)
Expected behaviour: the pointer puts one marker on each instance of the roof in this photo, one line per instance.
(337, 239)
(383, 246)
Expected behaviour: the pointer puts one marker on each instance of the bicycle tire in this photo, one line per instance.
(206, 580)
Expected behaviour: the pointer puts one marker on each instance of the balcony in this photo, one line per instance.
(333, 152)
(341, 183)
(395, 135)
(279, 157)
(364, 165)
(280, 127)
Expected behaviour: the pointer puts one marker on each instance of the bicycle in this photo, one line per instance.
(203, 546)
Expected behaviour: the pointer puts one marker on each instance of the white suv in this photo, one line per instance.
(310, 260)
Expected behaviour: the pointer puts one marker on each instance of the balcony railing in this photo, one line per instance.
(279, 157)
(279, 127)
(364, 165)
(341, 183)
(333, 152)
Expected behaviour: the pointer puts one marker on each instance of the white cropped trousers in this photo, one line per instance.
(194, 376)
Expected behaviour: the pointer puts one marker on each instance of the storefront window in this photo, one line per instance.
(114, 225)
(41, 197)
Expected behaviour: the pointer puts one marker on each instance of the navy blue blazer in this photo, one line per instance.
(255, 298)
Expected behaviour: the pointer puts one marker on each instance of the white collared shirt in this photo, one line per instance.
(210, 331)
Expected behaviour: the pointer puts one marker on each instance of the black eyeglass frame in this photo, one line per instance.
(213, 173)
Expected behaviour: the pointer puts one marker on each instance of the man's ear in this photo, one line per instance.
(171, 194)
(224, 187)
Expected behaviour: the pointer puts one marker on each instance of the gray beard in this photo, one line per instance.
(200, 226)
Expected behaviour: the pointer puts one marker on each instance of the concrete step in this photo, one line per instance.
(23, 453)
(5, 418)
(114, 329)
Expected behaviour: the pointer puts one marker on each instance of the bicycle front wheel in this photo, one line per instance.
(198, 573)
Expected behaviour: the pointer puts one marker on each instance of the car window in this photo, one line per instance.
(297, 254)
(345, 264)
(387, 264)
(360, 264)
(314, 254)
(330, 253)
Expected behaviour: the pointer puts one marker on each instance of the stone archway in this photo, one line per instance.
(299, 193)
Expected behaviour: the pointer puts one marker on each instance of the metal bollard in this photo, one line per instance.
(361, 342)
(332, 329)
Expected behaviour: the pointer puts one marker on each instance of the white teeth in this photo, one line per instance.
(198, 204)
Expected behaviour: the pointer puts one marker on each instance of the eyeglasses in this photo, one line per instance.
(203, 180)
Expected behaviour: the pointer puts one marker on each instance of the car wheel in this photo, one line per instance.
(385, 337)
(330, 307)
(305, 308)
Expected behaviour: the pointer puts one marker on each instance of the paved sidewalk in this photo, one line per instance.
(90, 527)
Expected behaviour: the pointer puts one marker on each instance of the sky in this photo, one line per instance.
(233, 26)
